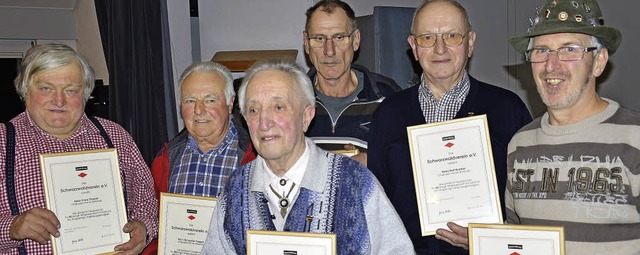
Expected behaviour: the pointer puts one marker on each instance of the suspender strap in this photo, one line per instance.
(106, 138)
(10, 150)
(10, 146)
(103, 133)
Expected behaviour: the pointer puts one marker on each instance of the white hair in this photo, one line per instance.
(290, 68)
(46, 57)
(212, 67)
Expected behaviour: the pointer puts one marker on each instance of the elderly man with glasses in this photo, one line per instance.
(442, 42)
(346, 93)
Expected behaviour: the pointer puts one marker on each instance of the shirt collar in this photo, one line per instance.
(296, 172)
(313, 180)
(231, 136)
(456, 91)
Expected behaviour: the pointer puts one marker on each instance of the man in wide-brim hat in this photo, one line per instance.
(577, 166)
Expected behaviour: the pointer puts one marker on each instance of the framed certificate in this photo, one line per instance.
(84, 190)
(454, 173)
(184, 222)
(261, 242)
(490, 239)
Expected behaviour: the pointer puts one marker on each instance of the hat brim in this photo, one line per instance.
(608, 36)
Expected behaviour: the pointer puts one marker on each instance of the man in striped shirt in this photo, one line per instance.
(577, 166)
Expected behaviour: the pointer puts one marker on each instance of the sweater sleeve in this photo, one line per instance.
(217, 241)
(386, 231)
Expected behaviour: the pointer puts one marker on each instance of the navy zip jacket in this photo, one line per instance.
(355, 120)
(390, 161)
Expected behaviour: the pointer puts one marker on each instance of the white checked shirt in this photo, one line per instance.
(446, 108)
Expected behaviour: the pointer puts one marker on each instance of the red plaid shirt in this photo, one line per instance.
(31, 141)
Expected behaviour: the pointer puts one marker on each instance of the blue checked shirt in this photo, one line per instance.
(204, 174)
(450, 103)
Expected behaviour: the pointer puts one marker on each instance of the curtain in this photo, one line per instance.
(132, 39)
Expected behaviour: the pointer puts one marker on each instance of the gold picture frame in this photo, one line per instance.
(490, 239)
(84, 190)
(263, 242)
(454, 174)
(184, 222)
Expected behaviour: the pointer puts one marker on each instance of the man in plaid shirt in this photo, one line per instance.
(55, 83)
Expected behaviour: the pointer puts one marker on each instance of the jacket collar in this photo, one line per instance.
(369, 91)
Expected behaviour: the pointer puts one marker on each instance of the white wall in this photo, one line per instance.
(180, 33)
(621, 81)
(60, 22)
(35, 23)
(365, 7)
(89, 42)
(22, 26)
(251, 25)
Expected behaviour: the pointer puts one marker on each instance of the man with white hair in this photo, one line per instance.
(213, 144)
(294, 185)
(55, 83)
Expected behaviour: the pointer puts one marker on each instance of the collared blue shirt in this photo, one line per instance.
(204, 174)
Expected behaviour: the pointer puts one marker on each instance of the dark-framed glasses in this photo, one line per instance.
(341, 39)
(569, 53)
(428, 40)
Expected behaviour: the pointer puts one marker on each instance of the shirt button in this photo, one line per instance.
(201, 184)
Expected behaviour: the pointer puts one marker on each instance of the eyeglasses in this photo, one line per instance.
(449, 39)
(570, 53)
(342, 39)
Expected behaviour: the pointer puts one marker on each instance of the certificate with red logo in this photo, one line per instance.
(84, 190)
(453, 173)
(263, 242)
(492, 239)
(184, 222)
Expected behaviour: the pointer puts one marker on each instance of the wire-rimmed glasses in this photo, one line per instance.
(341, 39)
(450, 39)
(569, 53)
